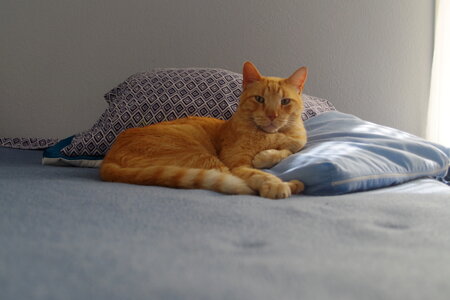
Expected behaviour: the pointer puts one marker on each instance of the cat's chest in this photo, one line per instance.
(239, 149)
(264, 141)
(255, 142)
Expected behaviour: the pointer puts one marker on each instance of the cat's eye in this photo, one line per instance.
(285, 101)
(259, 99)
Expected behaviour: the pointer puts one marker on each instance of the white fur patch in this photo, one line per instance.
(230, 184)
(211, 177)
(235, 185)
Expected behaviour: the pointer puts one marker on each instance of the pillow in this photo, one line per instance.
(27, 143)
(168, 94)
(53, 156)
(346, 154)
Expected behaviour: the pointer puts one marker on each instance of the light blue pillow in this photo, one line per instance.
(346, 154)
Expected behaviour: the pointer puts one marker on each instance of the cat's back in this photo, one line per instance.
(188, 127)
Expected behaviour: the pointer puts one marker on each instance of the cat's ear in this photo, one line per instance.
(250, 74)
(298, 78)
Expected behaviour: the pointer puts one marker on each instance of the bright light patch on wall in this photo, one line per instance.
(438, 127)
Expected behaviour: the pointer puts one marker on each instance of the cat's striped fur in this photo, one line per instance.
(177, 177)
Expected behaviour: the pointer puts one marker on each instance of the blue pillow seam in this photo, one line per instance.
(381, 176)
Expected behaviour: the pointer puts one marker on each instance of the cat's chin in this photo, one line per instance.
(269, 128)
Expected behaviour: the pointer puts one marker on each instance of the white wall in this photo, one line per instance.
(58, 57)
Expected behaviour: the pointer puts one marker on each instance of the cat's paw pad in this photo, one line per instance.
(269, 158)
(275, 190)
(296, 186)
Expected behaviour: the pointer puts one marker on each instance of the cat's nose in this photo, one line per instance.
(271, 117)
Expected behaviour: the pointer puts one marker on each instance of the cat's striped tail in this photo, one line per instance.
(176, 177)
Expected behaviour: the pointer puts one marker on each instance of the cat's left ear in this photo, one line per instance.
(250, 74)
(299, 78)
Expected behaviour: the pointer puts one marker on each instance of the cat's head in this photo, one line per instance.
(272, 103)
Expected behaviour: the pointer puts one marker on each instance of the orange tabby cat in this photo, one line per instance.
(224, 156)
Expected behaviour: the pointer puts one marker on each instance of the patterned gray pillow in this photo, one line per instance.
(27, 143)
(168, 94)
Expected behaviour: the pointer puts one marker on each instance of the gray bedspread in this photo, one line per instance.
(64, 234)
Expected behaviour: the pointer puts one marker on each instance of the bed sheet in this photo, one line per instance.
(64, 234)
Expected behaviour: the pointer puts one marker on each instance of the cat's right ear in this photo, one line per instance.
(250, 74)
(298, 79)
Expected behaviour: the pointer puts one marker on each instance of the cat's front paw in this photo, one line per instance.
(275, 190)
(296, 186)
(269, 158)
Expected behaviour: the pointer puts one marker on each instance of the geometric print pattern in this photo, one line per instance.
(189, 83)
(28, 143)
(168, 94)
(313, 106)
(156, 96)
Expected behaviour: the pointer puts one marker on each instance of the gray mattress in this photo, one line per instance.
(64, 234)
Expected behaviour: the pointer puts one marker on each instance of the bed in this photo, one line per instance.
(65, 234)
